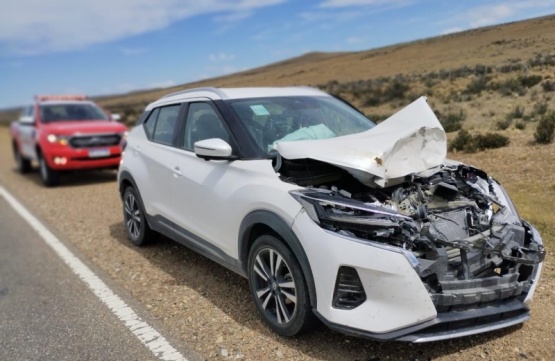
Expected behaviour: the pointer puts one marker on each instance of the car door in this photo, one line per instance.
(201, 189)
(155, 152)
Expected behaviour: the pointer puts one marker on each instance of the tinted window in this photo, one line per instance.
(164, 128)
(203, 122)
(71, 112)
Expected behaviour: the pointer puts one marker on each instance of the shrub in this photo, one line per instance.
(490, 141)
(529, 81)
(545, 129)
(503, 124)
(510, 86)
(451, 121)
(540, 108)
(468, 143)
(477, 85)
(548, 86)
(516, 113)
(462, 142)
(520, 125)
(396, 90)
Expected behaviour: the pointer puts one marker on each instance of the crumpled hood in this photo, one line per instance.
(410, 141)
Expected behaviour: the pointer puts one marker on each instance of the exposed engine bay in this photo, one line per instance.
(469, 245)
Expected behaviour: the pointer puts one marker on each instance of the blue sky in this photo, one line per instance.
(116, 46)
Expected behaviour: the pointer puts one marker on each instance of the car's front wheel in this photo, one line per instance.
(134, 218)
(23, 164)
(49, 176)
(278, 287)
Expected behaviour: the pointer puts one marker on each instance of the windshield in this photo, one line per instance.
(286, 119)
(71, 112)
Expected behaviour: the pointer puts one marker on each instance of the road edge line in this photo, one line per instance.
(146, 334)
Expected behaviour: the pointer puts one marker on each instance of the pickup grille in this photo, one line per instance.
(99, 140)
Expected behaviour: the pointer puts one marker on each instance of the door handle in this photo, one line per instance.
(177, 172)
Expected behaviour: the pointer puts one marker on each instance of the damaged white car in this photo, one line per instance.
(368, 228)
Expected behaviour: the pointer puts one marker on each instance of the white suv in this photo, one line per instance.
(368, 228)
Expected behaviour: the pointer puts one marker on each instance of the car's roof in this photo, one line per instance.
(64, 102)
(235, 93)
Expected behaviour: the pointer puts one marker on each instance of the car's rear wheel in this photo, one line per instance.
(278, 287)
(23, 164)
(136, 225)
(49, 176)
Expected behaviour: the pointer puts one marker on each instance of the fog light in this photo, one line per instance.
(60, 160)
(349, 292)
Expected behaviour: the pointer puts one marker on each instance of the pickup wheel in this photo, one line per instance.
(278, 287)
(134, 216)
(49, 176)
(23, 164)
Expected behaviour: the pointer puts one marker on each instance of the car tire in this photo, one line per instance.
(278, 287)
(49, 176)
(134, 219)
(23, 164)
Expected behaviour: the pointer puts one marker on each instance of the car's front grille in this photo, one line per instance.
(348, 293)
(99, 140)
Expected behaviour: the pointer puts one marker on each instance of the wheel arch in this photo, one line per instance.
(126, 180)
(262, 222)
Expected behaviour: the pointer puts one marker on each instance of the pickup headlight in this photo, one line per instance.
(59, 139)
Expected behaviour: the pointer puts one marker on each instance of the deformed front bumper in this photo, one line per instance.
(398, 306)
(448, 325)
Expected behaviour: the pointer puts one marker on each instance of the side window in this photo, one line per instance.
(151, 122)
(164, 129)
(27, 111)
(202, 123)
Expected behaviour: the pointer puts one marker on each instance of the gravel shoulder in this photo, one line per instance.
(209, 308)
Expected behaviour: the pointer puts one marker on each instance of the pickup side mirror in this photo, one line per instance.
(115, 117)
(27, 120)
(214, 149)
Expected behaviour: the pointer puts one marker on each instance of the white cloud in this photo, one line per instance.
(37, 26)
(221, 57)
(499, 12)
(488, 15)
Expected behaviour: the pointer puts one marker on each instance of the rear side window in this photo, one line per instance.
(166, 121)
(151, 122)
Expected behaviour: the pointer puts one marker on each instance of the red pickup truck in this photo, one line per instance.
(66, 132)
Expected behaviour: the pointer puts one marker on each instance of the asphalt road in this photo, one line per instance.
(46, 311)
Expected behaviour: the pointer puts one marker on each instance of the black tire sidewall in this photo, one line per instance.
(144, 232)
(49, 176)
(303, 313)
(23, 164)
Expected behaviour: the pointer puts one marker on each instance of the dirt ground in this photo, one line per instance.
(209, 308)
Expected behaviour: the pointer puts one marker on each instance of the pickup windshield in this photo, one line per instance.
(286, 119)
(70, 112)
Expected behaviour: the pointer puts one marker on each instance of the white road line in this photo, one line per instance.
(151, 338)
